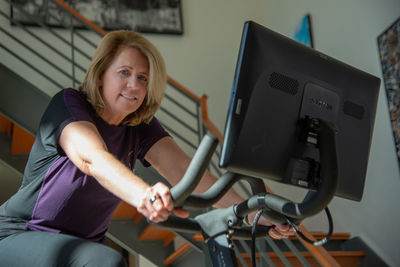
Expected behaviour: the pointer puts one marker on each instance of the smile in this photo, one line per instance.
(128, 97)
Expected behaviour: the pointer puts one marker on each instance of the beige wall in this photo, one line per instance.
(204, 58)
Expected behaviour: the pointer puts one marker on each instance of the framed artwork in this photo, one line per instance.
(389, 53)
(146, 16)
(303, 32)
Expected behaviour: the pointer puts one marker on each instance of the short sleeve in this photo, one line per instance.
(66, 106)
(148, 135)
(79, 108)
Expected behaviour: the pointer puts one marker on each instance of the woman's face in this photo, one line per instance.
(124, 84)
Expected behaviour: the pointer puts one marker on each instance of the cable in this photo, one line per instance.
(216, 235)
(253, 238)
(315, 243)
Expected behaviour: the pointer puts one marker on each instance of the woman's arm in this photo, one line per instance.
(85, 147)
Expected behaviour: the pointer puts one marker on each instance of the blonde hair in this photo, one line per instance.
(102, 58)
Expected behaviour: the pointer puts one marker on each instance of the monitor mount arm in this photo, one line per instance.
(320, 135)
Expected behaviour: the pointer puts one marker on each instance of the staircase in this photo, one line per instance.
(22, 104)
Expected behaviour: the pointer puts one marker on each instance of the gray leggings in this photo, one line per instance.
(43, 249)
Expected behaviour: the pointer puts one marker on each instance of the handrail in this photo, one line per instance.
(207, 122)
(81, 18)
(318, 252)
(183, 89)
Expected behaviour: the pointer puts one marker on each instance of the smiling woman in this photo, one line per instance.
(80, 166)
(77, 171)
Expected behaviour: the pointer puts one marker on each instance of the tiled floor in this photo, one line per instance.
(10, 181)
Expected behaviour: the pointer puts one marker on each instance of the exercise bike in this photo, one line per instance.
(219, 226)
(296, 116)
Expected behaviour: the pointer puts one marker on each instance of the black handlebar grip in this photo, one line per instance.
(195, 171)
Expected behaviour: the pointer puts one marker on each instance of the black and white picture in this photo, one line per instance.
(147, 16)
(389, 52)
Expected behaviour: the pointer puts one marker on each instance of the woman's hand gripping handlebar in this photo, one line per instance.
(214, 221)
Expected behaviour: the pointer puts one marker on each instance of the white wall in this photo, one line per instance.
(204, 59)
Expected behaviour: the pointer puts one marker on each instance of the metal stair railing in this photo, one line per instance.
(187, 129)
(44, 55)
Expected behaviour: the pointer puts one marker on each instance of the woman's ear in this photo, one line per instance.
(100, 80)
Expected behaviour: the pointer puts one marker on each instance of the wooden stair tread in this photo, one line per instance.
(154, 233)
(124, 210)
(177, 253)
(320, 235)
(5, 125)
(307, 254)
(343, 258)
(320, 253)
(316, 235)
(22, 141)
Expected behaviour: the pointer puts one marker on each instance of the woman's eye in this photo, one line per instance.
(124, 72)
(143, 78)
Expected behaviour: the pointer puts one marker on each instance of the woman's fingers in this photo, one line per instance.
(156, 203)
(161, 192)
(158, 212)
(281, 231)
(181, 212)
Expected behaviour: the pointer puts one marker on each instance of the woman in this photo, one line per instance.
(80, 165)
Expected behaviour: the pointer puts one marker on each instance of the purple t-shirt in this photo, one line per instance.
(55, 195)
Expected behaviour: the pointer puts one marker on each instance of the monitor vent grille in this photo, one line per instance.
(283, 83)
(354, 110)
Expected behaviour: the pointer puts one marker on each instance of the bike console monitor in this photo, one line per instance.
(280, 86)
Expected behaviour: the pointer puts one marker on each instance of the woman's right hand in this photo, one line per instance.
(156, 204)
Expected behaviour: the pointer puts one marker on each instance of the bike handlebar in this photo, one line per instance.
(193, 174)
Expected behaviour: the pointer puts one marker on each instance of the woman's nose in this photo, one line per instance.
(136, 82)
(133, 82)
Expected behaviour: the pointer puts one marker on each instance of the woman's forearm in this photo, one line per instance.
(86, 149)
(117, 178)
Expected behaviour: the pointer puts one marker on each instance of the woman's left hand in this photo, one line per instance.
(279, 231)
